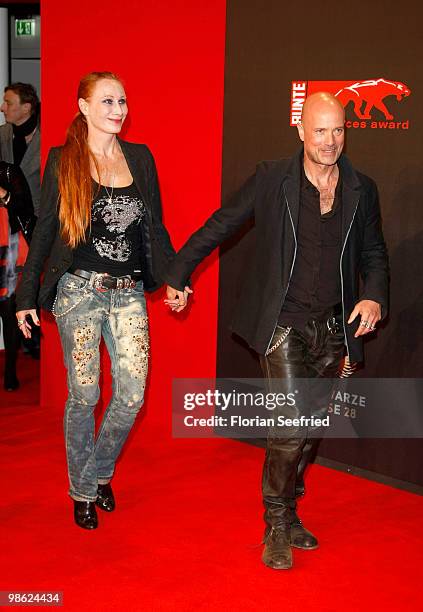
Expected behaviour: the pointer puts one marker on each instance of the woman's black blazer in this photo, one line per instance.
(48, 252)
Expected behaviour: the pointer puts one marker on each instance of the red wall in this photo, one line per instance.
(170, 55)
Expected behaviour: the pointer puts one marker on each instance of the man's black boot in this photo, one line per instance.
(308, 455)
(277, 548)
(277, 545)
(300, 536)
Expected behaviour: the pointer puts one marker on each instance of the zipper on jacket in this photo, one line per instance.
(342, 279)
(292, 266)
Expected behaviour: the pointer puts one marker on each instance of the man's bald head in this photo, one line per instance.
(320, 102)
(322, 128)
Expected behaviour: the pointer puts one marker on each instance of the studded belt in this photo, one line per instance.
(102, 280)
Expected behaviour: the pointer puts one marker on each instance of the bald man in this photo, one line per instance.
(318, 229)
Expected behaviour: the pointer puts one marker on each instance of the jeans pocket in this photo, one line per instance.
(71, 291)
(71, 282)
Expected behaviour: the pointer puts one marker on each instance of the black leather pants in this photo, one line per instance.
(312, 353)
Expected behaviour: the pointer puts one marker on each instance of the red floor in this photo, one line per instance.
(186, 532)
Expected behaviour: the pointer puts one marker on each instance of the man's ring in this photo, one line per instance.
(21, 321)
(364, 323)
(372, 328)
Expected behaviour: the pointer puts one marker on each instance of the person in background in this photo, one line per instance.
(20, 135)
(20, 145)
(17, 221)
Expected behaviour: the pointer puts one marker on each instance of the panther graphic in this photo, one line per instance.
(372, 92)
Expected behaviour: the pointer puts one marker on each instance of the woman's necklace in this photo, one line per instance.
(105, 169)
(110, 193)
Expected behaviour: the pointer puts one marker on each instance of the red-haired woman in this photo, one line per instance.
(101, 227)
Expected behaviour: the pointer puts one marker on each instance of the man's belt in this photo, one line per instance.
(102, 280)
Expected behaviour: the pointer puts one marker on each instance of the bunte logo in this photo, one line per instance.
(365, 102)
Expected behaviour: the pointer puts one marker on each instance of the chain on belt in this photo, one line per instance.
(279, 342)
(62, 314)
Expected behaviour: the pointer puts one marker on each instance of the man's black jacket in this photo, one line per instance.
(47, 242)
(272, 197)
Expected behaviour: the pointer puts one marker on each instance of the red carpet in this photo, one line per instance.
(28, 372)
(186, 533)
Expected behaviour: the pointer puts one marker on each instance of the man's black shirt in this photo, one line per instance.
(315, 285)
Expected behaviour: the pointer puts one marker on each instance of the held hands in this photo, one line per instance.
(23, 324)
(177, 300)
(370, 312)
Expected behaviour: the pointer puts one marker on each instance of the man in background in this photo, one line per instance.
(20, 135)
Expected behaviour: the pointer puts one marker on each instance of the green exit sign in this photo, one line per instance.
(24, 27)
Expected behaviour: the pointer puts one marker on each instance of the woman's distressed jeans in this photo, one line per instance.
(84, 315)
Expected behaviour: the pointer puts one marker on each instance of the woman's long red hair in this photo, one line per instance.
(74, 174)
